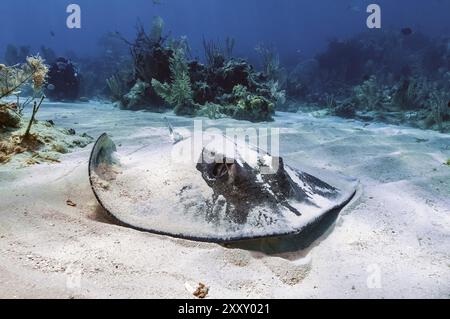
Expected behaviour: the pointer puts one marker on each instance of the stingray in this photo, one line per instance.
(230, 192)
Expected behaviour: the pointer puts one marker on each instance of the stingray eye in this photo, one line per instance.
(220, 170)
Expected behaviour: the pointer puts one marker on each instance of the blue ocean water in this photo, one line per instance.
(297, 28)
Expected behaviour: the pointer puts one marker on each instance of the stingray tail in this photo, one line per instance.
(175, 136)
(169, 126)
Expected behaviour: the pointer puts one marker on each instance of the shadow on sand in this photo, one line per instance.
(298, 243)
(291, 243)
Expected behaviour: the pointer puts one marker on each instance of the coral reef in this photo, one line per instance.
(407, 83)
(352, 78)
(254, 108)
(242, 105)
(165, 76)
(368, 95)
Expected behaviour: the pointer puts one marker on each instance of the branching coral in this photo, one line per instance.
(271, 61)
(278, 95)
(179, 92)
(213, 54)
(116, 87)
(229, 47)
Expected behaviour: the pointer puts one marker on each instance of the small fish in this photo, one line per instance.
(448, 104)
(407, 31)
(50, 87)
(156, 2)
(52, 34)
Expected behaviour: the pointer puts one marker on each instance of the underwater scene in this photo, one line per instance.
(225, 149)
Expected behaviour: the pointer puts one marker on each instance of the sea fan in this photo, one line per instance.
(38, 71)
(12, 78)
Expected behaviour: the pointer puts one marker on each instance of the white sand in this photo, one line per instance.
(398, 227)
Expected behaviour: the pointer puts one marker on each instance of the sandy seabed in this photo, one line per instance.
(391, 241)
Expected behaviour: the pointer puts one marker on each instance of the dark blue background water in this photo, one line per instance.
(295, 27)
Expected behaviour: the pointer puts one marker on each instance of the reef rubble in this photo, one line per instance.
(45, 144)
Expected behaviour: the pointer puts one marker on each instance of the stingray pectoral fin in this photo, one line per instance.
(102, 153)
(103, 164)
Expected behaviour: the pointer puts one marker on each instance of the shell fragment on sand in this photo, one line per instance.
(229, 192)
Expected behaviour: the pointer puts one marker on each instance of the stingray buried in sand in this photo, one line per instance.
(230, 192)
